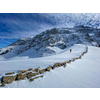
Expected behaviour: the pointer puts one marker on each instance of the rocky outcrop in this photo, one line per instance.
(80, 57)
(8, 79)
(30, 74)
(69, 61)
(36, 70)
(60, 64)
(9, 73)
(73, 59)
(30, 69)
(54, 67)
(22, 71)
(48, 68)
(20, 76)
(42, 71)
(61, 45)
(5, 51)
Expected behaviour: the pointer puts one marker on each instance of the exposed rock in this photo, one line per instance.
(64, 63)
(4, 52)
(47, 52)
(36, 70)
(32, 79)
(53, 67)
(69, 61)
(23, 71)
(54, 31)
(76, 58)
(8, 79)
(56, 64)
(73, 59)
(83, 54)
(49, 68)
(42, 71)
(20, 76)
(29, 75)
(30, 69)
(79, 57)
(60, 64)
(61, 45)
(9, 73)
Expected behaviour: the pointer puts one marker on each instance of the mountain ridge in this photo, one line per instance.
(45, 42)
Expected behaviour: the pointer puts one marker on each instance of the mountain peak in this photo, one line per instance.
(44, 43)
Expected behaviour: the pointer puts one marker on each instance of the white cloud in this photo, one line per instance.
(30, 27)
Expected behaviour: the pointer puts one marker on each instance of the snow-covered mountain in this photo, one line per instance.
(34, 52)
(48, 42)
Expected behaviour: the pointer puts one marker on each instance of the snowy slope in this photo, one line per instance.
(24, 62)
(83, 73)
(18, 63)
(53, 46)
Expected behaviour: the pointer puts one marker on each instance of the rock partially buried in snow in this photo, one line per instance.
(20, 76)
(65, 63)
(69, 61)
(53, 67)
(49, 68)
(36, 70)
(59, 64)
(32, 79)
(79, 57)
(30, 74)
(56, 64)
(22, 71)
(9, 73)
(8, 79)
(30, 69)
(73, 59)
(76, 58)
(83, 54)
(42, 71)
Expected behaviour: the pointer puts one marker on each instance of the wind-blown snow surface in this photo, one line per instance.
(83, 73)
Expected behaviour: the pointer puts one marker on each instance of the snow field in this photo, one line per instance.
(77, 50)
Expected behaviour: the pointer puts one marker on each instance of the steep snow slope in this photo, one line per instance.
(83, 73)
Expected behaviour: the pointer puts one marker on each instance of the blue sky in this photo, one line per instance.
(14, 26)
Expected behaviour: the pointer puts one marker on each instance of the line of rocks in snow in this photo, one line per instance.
(34, 74)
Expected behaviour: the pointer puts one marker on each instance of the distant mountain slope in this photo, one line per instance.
(44, 43)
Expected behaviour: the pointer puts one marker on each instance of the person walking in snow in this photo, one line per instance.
(70, 50)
